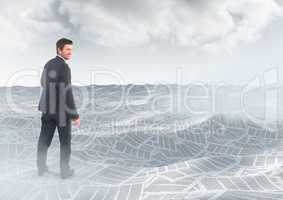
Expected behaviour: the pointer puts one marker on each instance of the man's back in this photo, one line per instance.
(57, 96)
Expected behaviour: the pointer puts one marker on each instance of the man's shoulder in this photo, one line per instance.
(55, 61)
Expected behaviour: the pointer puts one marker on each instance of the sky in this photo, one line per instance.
(139, 42)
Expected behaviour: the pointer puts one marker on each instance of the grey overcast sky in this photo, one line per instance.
(143, 41)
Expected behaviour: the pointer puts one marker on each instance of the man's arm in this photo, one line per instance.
(65, 78)
(43, 77)
(42, 101)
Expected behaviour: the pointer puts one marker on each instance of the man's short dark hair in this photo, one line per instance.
(61, 43)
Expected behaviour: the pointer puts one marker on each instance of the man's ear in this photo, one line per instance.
(58, 50)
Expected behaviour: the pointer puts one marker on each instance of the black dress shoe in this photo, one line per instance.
(42, 171)
(68, 173)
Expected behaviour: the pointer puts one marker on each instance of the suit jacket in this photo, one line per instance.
(57, 100)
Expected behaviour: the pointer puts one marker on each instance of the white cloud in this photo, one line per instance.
(9, 34)
(196, 23)
(212, 25)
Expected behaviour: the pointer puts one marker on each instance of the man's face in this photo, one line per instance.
(67, 51)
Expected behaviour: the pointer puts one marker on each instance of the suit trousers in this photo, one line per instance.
(48, 126)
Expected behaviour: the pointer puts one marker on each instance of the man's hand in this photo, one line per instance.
(77, 122)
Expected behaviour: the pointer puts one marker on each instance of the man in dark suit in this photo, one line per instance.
(58, 108)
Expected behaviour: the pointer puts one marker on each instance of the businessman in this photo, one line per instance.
(58, 108)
